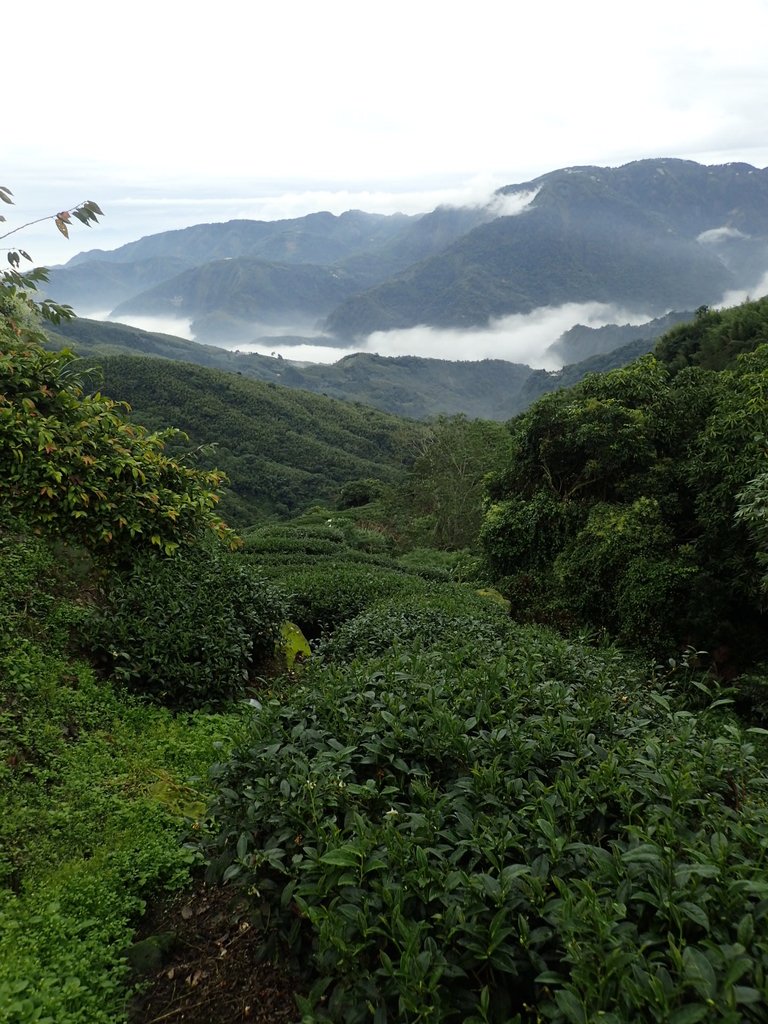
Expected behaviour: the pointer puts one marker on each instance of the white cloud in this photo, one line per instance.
(520, 338)
(715, 235)
(156, 324)
(739, 295)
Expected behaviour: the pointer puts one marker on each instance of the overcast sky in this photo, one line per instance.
(169, 113)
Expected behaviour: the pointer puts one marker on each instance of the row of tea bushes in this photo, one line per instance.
(452, 818)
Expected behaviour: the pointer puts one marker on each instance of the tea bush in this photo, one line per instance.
(543, 835)
(188, 631)
(446, 618)
(323, 596)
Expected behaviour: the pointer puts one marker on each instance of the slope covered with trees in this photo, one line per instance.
(434, 812)
(652, 235)
(620, 507)
(279, 447)
(412, 386)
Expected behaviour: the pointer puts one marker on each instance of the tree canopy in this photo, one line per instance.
(70, 461)
(620, 506)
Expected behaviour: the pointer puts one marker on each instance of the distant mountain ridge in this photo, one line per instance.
(628, 236)
(411, 386)
(652, 235)
(580, 342)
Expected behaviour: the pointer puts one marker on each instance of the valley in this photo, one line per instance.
(397, 688)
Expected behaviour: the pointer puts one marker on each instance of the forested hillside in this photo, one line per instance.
(652, 235)
(280, 448)
(479, 739)
(633, 500)
(410, 386)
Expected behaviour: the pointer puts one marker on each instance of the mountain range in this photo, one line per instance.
(652, 235)
(411, 386)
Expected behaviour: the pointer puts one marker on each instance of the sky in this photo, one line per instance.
(170, 113)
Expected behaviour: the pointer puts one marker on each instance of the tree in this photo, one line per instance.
(446, 481)
(70, 462)
(619, 506)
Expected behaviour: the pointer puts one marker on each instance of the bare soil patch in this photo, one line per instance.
(198, 955)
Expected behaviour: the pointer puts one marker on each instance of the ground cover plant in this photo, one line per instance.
(95, 798)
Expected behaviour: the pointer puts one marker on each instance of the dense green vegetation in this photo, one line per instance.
(618, 507)
(520, 831)
(96, 792)
(403, 385)
(715, 338)
(280, 448)
(95, 799)
(436, 813)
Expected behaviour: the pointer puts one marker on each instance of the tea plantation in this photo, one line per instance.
(434, 811)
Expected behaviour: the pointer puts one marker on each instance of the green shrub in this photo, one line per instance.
(447, 618)
(95, 800)
(546, 836)
(72, 465)
(188, 631)
(292, 537)
(359, 492)
(325, 595)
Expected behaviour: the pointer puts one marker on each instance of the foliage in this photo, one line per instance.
(69, 462)
(19, 311)
(715, 337)
(753, 510)
(188, 631)
(540, 834)
(330, 572)
(618, 507)
(409, 386)
(87, 830)
(84, 840)
(443, 617)
(73, 464)
(441, 501)
(324, 596)
(359, 492)
(623, 571)
(281, 449)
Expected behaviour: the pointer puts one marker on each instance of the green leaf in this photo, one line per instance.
(748, 995)
(342, 857)
(696, 914)
(699, 972)
(568, 1004)
(746, 930)
(689, 1014)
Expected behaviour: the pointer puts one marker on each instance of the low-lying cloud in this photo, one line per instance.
(176, 326)
(519, 338)
(739, 295)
